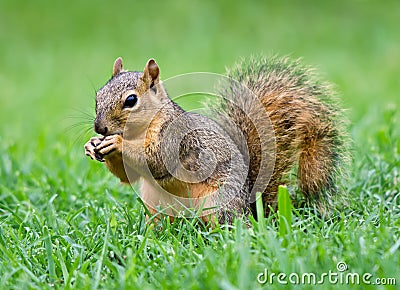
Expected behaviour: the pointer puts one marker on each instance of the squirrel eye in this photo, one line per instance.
(130, 101)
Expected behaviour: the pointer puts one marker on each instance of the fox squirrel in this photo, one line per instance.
(274, 116)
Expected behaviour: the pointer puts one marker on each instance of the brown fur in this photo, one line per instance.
(306, 123)
(116, 167)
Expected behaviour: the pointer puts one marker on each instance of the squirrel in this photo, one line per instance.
(279, 116)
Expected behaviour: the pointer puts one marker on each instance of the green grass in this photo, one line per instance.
(65, 222)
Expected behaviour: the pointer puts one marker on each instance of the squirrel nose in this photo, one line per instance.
(99, 129)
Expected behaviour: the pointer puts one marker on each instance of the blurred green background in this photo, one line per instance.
(55, 54)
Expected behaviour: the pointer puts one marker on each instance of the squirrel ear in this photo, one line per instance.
(117, 66)
(151, 72)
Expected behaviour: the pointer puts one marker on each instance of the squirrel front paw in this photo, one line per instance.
(109, 145)
(90, 147)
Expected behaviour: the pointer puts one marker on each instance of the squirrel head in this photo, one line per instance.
(129, 95)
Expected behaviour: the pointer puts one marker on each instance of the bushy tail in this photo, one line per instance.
(307, 122)
(321, 161)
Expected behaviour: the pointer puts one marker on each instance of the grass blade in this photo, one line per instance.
(99, 264)
(260, 211)
(49, 251)
(285, 211)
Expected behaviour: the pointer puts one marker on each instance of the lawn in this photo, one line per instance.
(67, 223)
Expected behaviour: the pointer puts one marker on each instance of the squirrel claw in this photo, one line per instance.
(90, 148)
(99, 157)
(108, 146)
